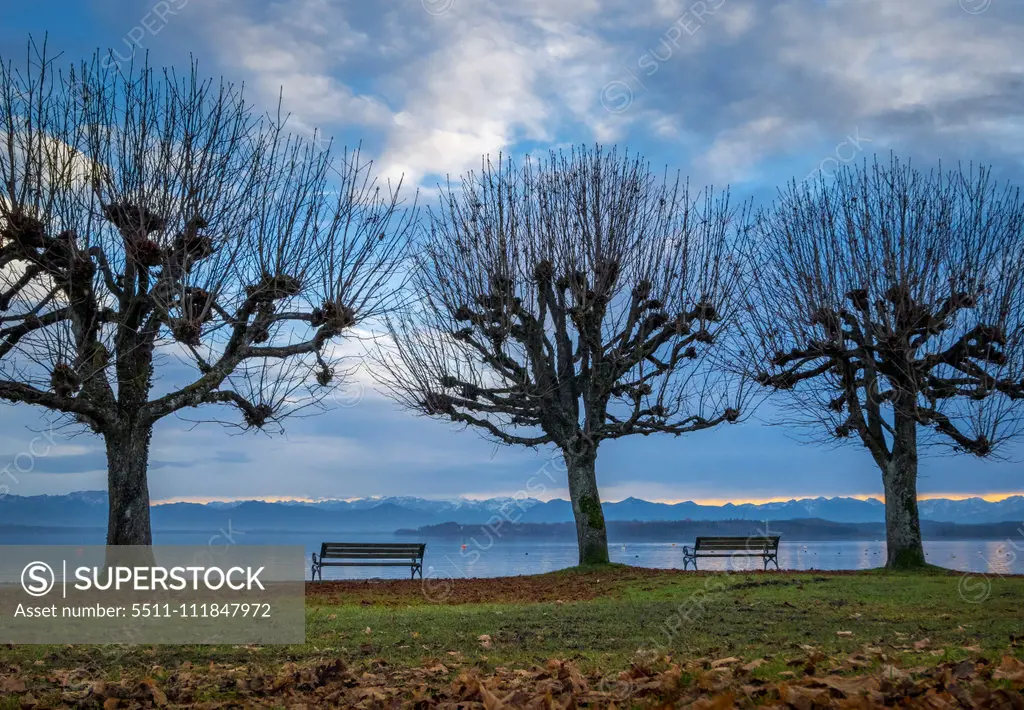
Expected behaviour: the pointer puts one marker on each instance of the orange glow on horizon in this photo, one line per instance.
(989, 497)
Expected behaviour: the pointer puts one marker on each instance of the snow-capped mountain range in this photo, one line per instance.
(88, 509)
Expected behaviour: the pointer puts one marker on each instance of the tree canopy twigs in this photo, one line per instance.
(145, 213)
(889, 301)
(572, 300)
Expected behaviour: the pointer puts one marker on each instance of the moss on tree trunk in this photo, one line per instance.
(591, 534)
(899, 477)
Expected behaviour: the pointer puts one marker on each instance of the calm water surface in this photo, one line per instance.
(453, 558)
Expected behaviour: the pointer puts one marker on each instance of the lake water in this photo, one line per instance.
(454, 558)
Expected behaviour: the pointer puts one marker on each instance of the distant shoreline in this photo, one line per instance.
(681, 531)
(802, 530)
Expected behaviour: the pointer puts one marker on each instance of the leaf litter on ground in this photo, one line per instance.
(850, 682)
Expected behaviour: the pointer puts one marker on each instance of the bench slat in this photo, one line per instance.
(363, 548)
(373, 546)
(734, 543)
(389, 550)
(726, 554)
(372, 556)
(365, 564)
(739, 544)
(369, 551)
(374, 549)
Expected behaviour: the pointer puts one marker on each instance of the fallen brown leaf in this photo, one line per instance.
(724, 662)
(490, 700)
(725, 701)
(1011, 669)
(12, 685)
(848, 687)
(803, 698)
(890, 672)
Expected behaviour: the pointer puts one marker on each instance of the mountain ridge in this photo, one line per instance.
(389, 513)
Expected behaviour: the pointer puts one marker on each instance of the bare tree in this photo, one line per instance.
(571, 301)
(888, 304)
(150, 220)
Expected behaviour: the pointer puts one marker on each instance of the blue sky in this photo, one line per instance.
(749, 93)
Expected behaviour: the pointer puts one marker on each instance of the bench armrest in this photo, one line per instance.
(686, 550)
(314, 558)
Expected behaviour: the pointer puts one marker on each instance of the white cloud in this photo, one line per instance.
(476, 94)
(736, 152)
(300, 46)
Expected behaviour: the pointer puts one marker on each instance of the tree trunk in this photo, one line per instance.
(586, 507)
(128, 487)
(899, 477)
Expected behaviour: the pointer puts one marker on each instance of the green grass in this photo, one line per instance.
(685, 615)
(746, 616)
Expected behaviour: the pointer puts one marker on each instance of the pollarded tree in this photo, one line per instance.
(571, 301)
(889, 304)
(148, 217)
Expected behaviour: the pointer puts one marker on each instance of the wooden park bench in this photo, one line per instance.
(369, 554)
(766, 548)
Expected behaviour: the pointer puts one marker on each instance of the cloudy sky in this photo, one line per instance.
(749, 93)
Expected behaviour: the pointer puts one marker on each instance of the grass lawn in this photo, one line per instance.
(611, 636)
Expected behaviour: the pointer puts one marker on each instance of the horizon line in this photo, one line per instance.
(202, 500)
